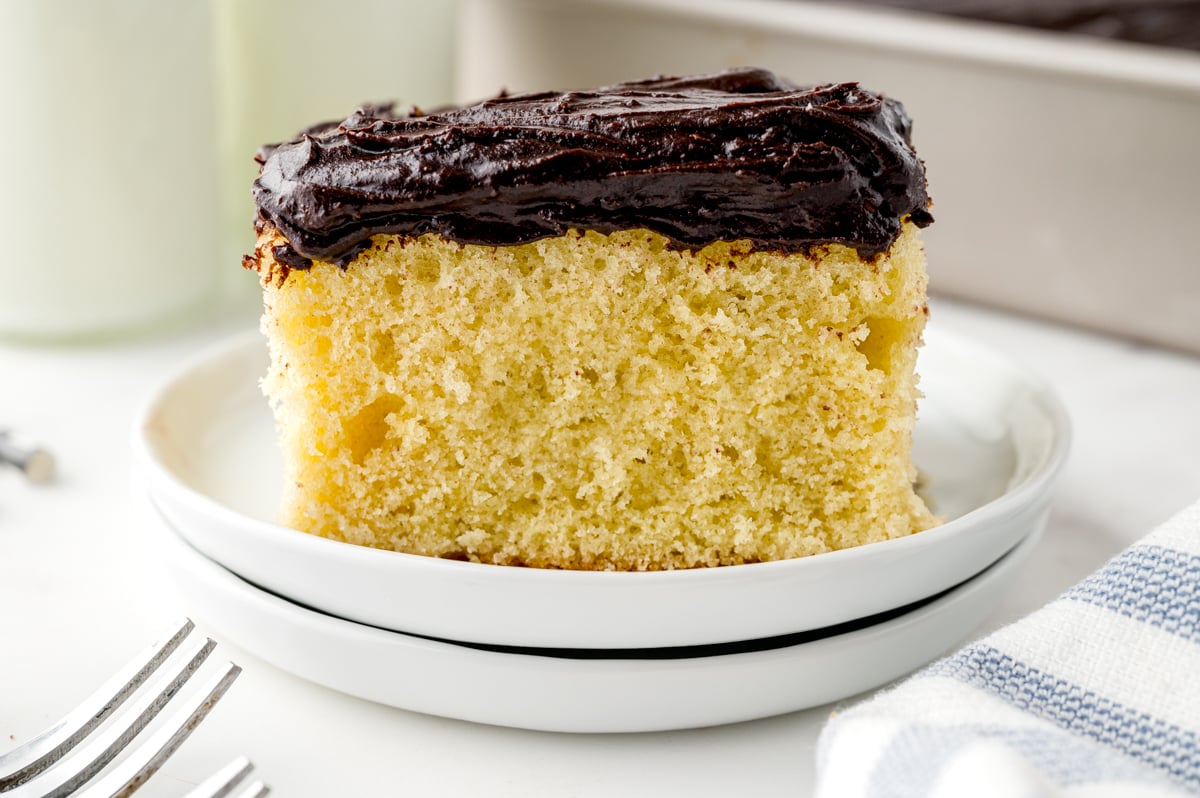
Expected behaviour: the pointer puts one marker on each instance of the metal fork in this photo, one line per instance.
(63, 759)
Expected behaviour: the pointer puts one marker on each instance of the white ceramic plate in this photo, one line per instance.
(555, 693)
(990, 441)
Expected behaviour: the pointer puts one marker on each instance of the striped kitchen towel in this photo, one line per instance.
(1095, 695)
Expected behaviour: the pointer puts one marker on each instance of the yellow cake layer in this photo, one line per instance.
(598, 401)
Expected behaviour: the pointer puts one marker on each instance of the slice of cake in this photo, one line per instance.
(663, 324)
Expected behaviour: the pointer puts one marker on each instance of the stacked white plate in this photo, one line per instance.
(585, 651)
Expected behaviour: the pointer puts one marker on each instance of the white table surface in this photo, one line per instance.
(79, 594)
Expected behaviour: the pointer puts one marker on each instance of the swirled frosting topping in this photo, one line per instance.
(740, 155)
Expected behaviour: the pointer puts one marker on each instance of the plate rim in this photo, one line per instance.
(571, 719)
(1049, 467)
(607, 597)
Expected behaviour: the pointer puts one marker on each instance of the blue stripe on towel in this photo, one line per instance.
(1151, 584)
(914, 759)
(1161, 745)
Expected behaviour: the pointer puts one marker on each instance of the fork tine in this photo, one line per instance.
(101, 747)
(222, 783)
(27, 761)
(256, 790)
(144, 762)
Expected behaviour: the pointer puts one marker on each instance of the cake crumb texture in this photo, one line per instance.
(594, 401)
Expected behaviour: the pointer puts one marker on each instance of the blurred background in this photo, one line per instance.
(1059, 136)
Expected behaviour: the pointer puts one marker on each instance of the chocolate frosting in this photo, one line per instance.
(740, 155)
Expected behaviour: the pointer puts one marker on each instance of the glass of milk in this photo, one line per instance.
(108, 213)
